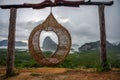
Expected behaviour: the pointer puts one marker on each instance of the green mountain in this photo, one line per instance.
(96, 46)
(49, 44)
(17, 43)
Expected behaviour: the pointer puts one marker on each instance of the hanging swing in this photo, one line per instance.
(64, 42)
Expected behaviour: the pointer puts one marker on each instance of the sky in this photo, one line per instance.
(81, 22)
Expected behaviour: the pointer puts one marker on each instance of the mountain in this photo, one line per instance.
(116, 43)
(96, 46)
(90, 46)
(119, 46)
(49, 44)
(4, 43)
(17, 43)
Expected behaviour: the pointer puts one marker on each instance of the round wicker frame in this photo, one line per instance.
(64, 42)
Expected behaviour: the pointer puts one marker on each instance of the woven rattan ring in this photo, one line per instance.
(64, 42)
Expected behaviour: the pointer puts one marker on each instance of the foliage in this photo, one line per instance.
(103, 67)
(47, 53)
(84, 59)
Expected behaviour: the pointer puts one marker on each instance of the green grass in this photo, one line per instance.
(84, 59)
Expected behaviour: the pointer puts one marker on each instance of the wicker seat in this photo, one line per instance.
(64, 42)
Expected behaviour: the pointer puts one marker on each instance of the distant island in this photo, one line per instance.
(96, 46)
(49, 44)
(17, 43)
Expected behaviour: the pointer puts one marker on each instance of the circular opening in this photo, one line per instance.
(48, 42)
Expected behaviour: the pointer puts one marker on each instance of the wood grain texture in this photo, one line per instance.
(11, 42)
(103, 56)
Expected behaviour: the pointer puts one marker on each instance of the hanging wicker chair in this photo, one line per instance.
(64, 42)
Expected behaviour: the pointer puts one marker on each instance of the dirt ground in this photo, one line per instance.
(62, 74)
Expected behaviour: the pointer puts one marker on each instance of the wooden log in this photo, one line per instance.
(11, 42)
(103, 56)
(39, 6)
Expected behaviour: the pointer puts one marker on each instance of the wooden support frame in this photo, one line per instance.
(11, 37)
(103, 51)
(11, 42)
(50, 4)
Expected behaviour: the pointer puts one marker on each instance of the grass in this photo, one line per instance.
(84, 59)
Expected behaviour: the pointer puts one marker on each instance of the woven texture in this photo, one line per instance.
(64, 42)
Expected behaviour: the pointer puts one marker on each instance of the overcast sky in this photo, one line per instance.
(82, 22)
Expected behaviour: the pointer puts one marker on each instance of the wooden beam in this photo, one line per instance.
(11, 42)
(67, 4)
(103, 56)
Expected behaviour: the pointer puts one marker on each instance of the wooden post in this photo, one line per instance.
(11, 42)
(103, 56)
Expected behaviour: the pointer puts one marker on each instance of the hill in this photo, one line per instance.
(49, 44)
(119, 45)
(96, 46)
(17, 43)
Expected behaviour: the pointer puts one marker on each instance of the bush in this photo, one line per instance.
(86, 59)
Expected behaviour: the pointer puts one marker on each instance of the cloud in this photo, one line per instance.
(4, 23)
(112, 22)
(82, 22)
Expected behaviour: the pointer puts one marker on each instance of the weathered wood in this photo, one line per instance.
(103, 56)
(49, 4)
(11, 42)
